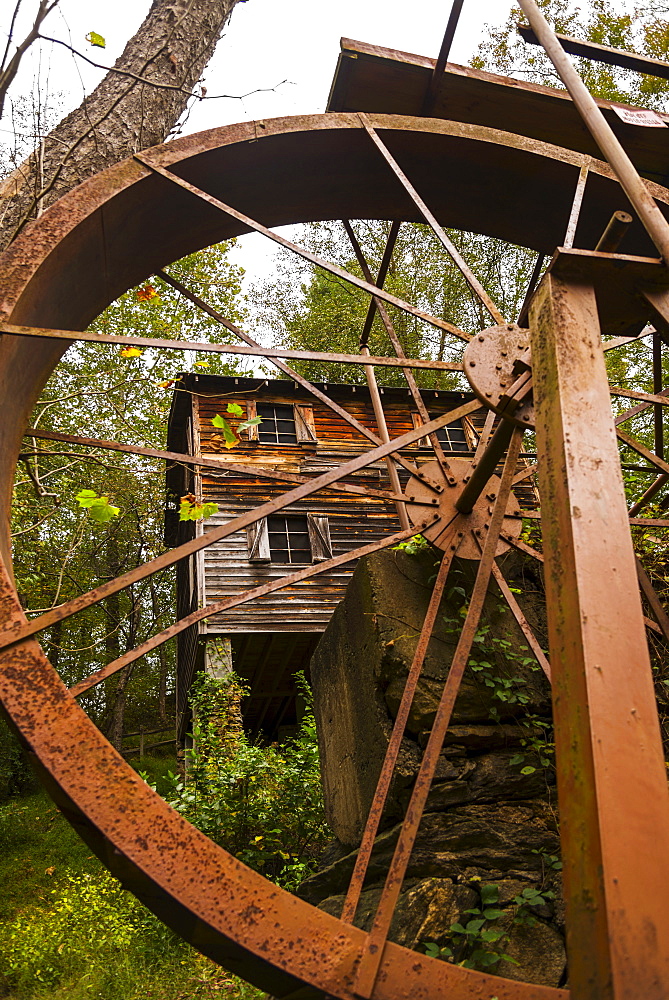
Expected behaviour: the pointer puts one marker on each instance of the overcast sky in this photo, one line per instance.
(266, 42)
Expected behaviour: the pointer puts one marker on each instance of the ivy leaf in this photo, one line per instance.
(249, 423)
(98, 508)
(195, 511)
(94, 39)
(527, 770)
(229, 436)
(235, 409)
(129, 352)
(489, 894)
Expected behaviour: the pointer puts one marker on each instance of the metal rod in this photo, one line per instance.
(654, 602)
(394, 744)
(442, 58)
(372, 954)
(178, 458)
(485, 468)
(203, 346)
(301, 251)
(399, 350)
(382, 427)
(604, 54)
(431, 220)
(648, 494)
(661, 398)
(657, 389)
(641, 449)
(576, 206)
(532, 284)
(233, 602)
(615, 232)
(634, 187)
(17, 631)
(309, 386)
(380, 281)
(523, 623)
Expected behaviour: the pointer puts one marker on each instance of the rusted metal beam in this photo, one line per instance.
(234, 602)
(380, 280)
(394, 744)
(522, 621)
(339, 272)
(603, 53)
(648, 494)
(431, 220)
(661, 398)
(657, 390)
(399, 351)
(612, 786)
(442, 58)
(633, 185)
(654, 602)
(178, 458)
(257, 350)
(15, 632)
(372, 955)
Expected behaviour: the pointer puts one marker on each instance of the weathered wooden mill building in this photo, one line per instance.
(271, 638)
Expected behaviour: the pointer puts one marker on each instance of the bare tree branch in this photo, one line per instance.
(135, 106)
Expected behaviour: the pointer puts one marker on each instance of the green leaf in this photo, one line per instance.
(249, 423)
(517, 758)
(98, 508)
(235, 409)
(457, 929)
(527, 770)
(492, 914)
(489, 894)
(474, 926)
(432, 949)
(94, 39)
(229, 436)
(491, 935)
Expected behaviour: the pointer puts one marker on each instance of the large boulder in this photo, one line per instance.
(489, 827)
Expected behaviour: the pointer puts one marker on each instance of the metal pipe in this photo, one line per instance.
(382, 426)
(634, 187)
(485, 467)
(615, 232)
(442, 58)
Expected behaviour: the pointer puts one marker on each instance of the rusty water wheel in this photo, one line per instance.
(114, 231)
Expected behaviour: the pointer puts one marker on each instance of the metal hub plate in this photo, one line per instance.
(490, 366)
(461, 535)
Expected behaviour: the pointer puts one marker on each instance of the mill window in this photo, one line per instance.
(278, 424)
(289, 539)
(452, 437)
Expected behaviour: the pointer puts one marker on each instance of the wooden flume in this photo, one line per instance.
(609, 752)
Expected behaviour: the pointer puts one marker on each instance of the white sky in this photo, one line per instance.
(266, 42)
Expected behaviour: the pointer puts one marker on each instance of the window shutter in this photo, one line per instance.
(305, 428)
(258, 542)
(251, 414)
(417, 421)
(319, 537)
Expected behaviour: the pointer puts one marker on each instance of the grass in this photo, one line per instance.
(67, 930)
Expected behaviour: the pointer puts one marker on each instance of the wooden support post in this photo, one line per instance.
(612, 782)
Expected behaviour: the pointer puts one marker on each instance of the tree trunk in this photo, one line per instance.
(122, 115)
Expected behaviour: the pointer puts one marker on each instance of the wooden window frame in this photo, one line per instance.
(320, 541)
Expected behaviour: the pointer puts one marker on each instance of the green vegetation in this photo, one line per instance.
(264, 804)
(68, 929)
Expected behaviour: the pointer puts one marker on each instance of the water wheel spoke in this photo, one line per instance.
(373, 952)
(313, 258)
(445, 241)
(399, 351)
(394, 744)
(15, 632)
(226, 604)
